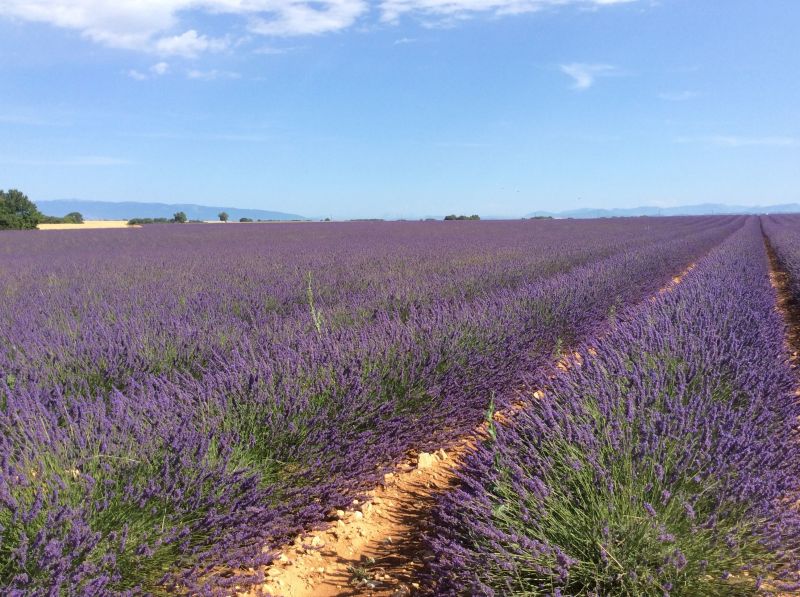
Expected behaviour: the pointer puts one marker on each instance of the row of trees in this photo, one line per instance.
(179, 217)
(224, 217)
(73, 217)
(17, 212)
(455, 217)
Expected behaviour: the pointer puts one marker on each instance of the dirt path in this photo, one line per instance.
(786, 304)
(376, 547)
(790, 309)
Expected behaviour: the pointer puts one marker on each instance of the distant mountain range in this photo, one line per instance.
(684, 210)
(111, 210)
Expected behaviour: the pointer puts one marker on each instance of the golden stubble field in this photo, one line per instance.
(86, 224)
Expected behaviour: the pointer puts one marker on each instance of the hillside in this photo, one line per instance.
(683, 210)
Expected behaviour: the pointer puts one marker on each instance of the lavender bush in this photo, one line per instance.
(666, 465)
(174, 403)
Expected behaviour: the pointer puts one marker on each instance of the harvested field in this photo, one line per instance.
(87, 225)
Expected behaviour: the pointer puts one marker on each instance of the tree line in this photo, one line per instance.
(180, 217)
(455, 217)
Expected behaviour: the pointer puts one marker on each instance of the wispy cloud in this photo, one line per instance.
(157, 70)
(679, 96)
(211, 75)
(453, 10)
(162, 27)
(160, 69)
(276, 51)
(404, 41)
(286, 18)
(233, 137)
(188, 44)
(87, 160)
(23, 120)
(584, 75)
(734, 141)
(137, 75)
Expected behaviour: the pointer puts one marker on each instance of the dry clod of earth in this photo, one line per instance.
(425, 460)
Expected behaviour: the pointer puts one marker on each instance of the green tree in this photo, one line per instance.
(179, 217)
(223, 216)
(17, 211)
(245, 219)
(73, 217)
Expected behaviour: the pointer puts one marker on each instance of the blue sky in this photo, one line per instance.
(356, 108)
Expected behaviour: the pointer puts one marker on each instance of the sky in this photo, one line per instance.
(402, 108)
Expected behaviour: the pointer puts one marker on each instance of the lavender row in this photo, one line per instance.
(665, 465)
(127, 479)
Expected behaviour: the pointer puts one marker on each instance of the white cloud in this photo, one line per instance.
(679, 96)
(211, 75)
(155, 26)
(734, 141)
(300, 17)
(188, 44)
(275, 51)
(157, 70)
(392, 10)
(161, 68)
(584, 75)
(404, 41)
(137, 75)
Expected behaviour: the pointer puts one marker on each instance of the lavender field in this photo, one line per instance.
(178, 402)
